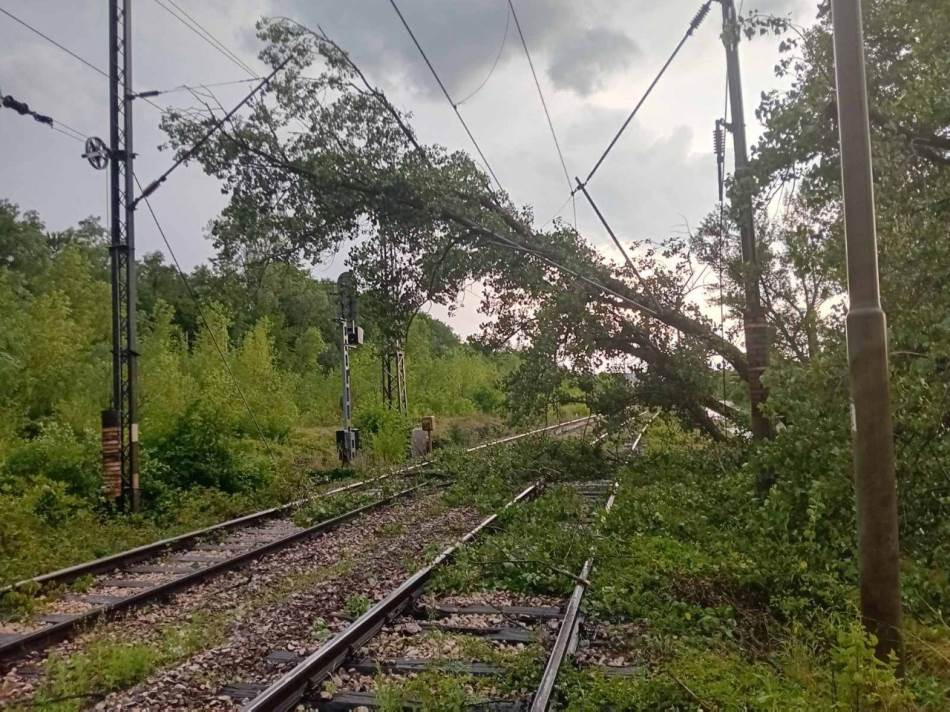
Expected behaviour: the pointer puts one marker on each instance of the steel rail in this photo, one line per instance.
(565, 426)
(44, 637)
(181, 541)
(566, 642)
(289, 689)
(566, 634)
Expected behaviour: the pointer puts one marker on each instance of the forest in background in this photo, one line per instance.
(770, 525)
(204, 454)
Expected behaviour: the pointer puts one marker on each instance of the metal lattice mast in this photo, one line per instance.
(393, 360)
(120, 425)
(351, 335)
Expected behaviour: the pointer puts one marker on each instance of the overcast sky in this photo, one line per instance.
(594, 59)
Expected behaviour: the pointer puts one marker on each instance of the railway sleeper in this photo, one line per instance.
(357, 700)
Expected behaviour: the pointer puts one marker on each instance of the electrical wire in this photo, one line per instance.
(7, 101)
(558, 212)
(208, 32)
(49, 39)
(205, 36)
(445, 92)
(544, 105)
(501, 48)
(204, 320)
(191, 87)
(68, 51)
(500, 239)
(693, 25)
(67, 134)
(153, 186)
(489, 234)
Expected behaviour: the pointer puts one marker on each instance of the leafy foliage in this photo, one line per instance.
(733, 603)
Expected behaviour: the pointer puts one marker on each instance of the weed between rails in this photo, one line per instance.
(719, 606)
(453, 690)
(107, 665)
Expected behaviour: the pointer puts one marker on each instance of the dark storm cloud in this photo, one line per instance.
(463, 38)
(660, 174)
(585, 62)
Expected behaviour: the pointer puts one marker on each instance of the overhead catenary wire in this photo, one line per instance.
(49, 39)
(544, 105)
(603, 221)
(9, 102)
(500, 239)
(191, 87)
(693, 25)
(67, 134)
(153, 186)
(207, 325)
(445, 92)
(491, 71)
(205, 35)
(488, 234)
(485, 232)
(68, 51)
(208, 32)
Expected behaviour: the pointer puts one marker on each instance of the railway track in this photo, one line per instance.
(385, 641)
(146, 574)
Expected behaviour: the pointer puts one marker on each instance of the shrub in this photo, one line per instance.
(384, 432)
(61, 455)
(199, 452)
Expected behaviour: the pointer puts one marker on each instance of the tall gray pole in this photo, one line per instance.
(756, 329)
(875, 483)
(120, 424)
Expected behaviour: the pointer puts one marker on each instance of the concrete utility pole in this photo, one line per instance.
(120, 427)
(756, 329)
(875, 483)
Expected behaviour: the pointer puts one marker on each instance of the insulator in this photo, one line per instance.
(700, 16)
(719, 140)
(18, 106)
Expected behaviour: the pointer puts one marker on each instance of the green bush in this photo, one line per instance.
(718, 580)
(540, 545)
(384, 433)
(44, 527)
(61, 455)
(198, 452)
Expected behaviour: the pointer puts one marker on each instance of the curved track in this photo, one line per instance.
(149, 573)
(400, 611)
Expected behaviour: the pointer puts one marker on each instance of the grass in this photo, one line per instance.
(356, 605)
(452, 691)
(731, 612)
(430, 690)
(105, 664)
(534, 549)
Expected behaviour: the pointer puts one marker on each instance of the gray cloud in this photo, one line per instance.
(586, 62)
(660, 173)
(462, 38)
